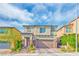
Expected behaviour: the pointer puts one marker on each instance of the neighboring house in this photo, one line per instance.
(42, 36)
(8, 38)
(71, 28)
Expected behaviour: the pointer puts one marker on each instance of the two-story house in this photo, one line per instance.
(9, 36)
(42, 36)
(71, 28)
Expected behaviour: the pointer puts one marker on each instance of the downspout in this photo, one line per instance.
(76, 34)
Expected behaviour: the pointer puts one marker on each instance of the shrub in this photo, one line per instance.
(70, 39)
(31, 48)
(18, 46)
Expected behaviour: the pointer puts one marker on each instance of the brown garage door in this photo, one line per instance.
(44, 43)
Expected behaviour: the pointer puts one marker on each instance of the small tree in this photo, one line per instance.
(31, 48)
(64, 40)
(69, 40)
(18, 46)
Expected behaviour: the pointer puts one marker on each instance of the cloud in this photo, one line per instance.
(44, 17)
(55, 16)
(41, 14)
(12, 12)
(13, 24)
(40, 9)
(14, 17)
(4, 24)
(62, 18)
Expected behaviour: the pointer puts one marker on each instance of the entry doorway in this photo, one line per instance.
(27, 42)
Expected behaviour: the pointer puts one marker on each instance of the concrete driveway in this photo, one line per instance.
(51, 52)
(48, 50)
(43, 50)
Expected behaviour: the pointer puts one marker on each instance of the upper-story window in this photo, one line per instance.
(53, 34)
(42, 30)
(2, 31)
(68, 29)
(29, 29)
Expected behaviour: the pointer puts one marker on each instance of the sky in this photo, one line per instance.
(19, 14)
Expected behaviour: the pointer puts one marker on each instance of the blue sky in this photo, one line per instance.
(19, 14)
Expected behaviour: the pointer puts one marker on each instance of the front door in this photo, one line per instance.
(27, 42)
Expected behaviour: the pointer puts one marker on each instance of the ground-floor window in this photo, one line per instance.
(4, 45)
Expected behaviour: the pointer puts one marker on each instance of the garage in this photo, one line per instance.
(44, 43)
(4, 45)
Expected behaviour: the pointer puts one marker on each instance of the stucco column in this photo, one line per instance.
(12, 44)
(31, 39)
(25, 40)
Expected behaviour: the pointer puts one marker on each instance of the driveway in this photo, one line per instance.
(48, 50)
(43, 50)
(51, 52)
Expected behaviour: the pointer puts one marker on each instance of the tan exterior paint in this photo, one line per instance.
(46, 38)
(35, 30)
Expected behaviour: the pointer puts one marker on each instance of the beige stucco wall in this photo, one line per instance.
(24, 39)
(36, 30)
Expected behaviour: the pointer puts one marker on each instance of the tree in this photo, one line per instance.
(70, 39)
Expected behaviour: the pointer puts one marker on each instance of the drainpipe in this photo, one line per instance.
(76, 35)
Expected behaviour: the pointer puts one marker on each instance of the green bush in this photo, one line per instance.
(18, 46)
(31, 48)
(70, 39)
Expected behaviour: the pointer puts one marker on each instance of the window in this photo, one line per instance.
(29, 29)
(68, 29)
(2, 31)
(4, 45)
(42, 30)
(53, 33)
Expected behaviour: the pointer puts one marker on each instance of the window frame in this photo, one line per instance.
(42, 30)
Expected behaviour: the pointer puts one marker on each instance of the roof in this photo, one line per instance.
(6, 27)
(74, 19)
(39, 25)
(10, 27)
(67, 24)
(27, 33)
